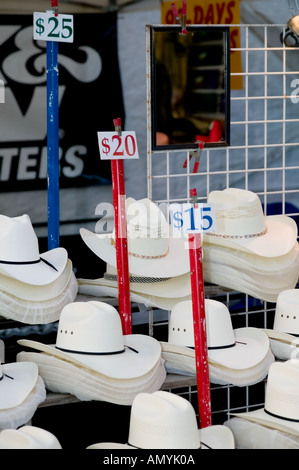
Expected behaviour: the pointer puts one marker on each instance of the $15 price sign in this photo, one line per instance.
(192, 218)
(48, 27)
(118, 147)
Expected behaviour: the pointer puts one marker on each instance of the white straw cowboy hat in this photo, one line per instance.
(16, 383)
(239, 349)
(281, 409)
(152, 251)
(164, 420)
(19, 253)
(90, 335)
(284, 337)
(241, 224)
(28, 437)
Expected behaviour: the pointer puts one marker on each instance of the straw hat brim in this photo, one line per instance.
(283, 345)
(237, 283)
(140, 355)
(211, 437)
(17, 383)
(165, 303)
(37, 312)
(250, 262)
(40, 273)
(185, 365)
(251, 435)
(261, 417)
(279, 239)
(251, 347)
(178, 286)
(61, 376)
(37, 293)
(174, 263)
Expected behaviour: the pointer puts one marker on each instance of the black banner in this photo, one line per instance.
(90, 97)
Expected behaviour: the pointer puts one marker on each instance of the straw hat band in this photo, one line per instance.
(226, 346)
(5, 375)
(99, 353)
(222, 235)
(281, 417)
(29, 262)
(113, 277)
(142, 247)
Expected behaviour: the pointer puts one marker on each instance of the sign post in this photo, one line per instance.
(53, 29)
(199, 325)
(117, 146)
(53, 144)
(194, 219)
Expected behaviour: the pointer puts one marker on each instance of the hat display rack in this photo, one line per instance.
(247, 306)
(87, 365)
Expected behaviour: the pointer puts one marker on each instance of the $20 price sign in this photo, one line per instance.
(118, 147)
(47, 27)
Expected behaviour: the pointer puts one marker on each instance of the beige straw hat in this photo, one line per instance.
(164, 420)
(19, 253)
(241, 224)
(28, 437)
(152, 251)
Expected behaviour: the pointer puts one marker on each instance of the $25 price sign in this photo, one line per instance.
(192, 218)
(48, 27)
(117, 147)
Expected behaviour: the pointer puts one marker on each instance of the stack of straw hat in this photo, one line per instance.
(276, 424)
(159, 265)
(22, 390)
(93, 360)
(34, 287)
(163, 420)
(250, 252)
(239, 357)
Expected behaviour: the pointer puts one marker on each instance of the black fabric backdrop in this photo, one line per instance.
(90, 98)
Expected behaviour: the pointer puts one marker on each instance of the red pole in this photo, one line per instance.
(199, 325)
(121, 243)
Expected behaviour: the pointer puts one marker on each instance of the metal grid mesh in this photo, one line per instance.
(263, 157)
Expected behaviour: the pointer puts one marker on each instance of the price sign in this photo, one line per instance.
(190, 218)
(48, 27)
(118, 147)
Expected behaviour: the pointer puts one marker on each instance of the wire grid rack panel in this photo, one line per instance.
(263, 157)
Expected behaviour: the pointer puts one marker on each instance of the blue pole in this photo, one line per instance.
(53, 144)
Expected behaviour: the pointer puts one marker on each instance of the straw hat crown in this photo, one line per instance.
(163, 421)
(28, 437)
(17, 232)
(90, 327)
(238, 212)
(219, 326)
(282, 396)
(287, 312)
